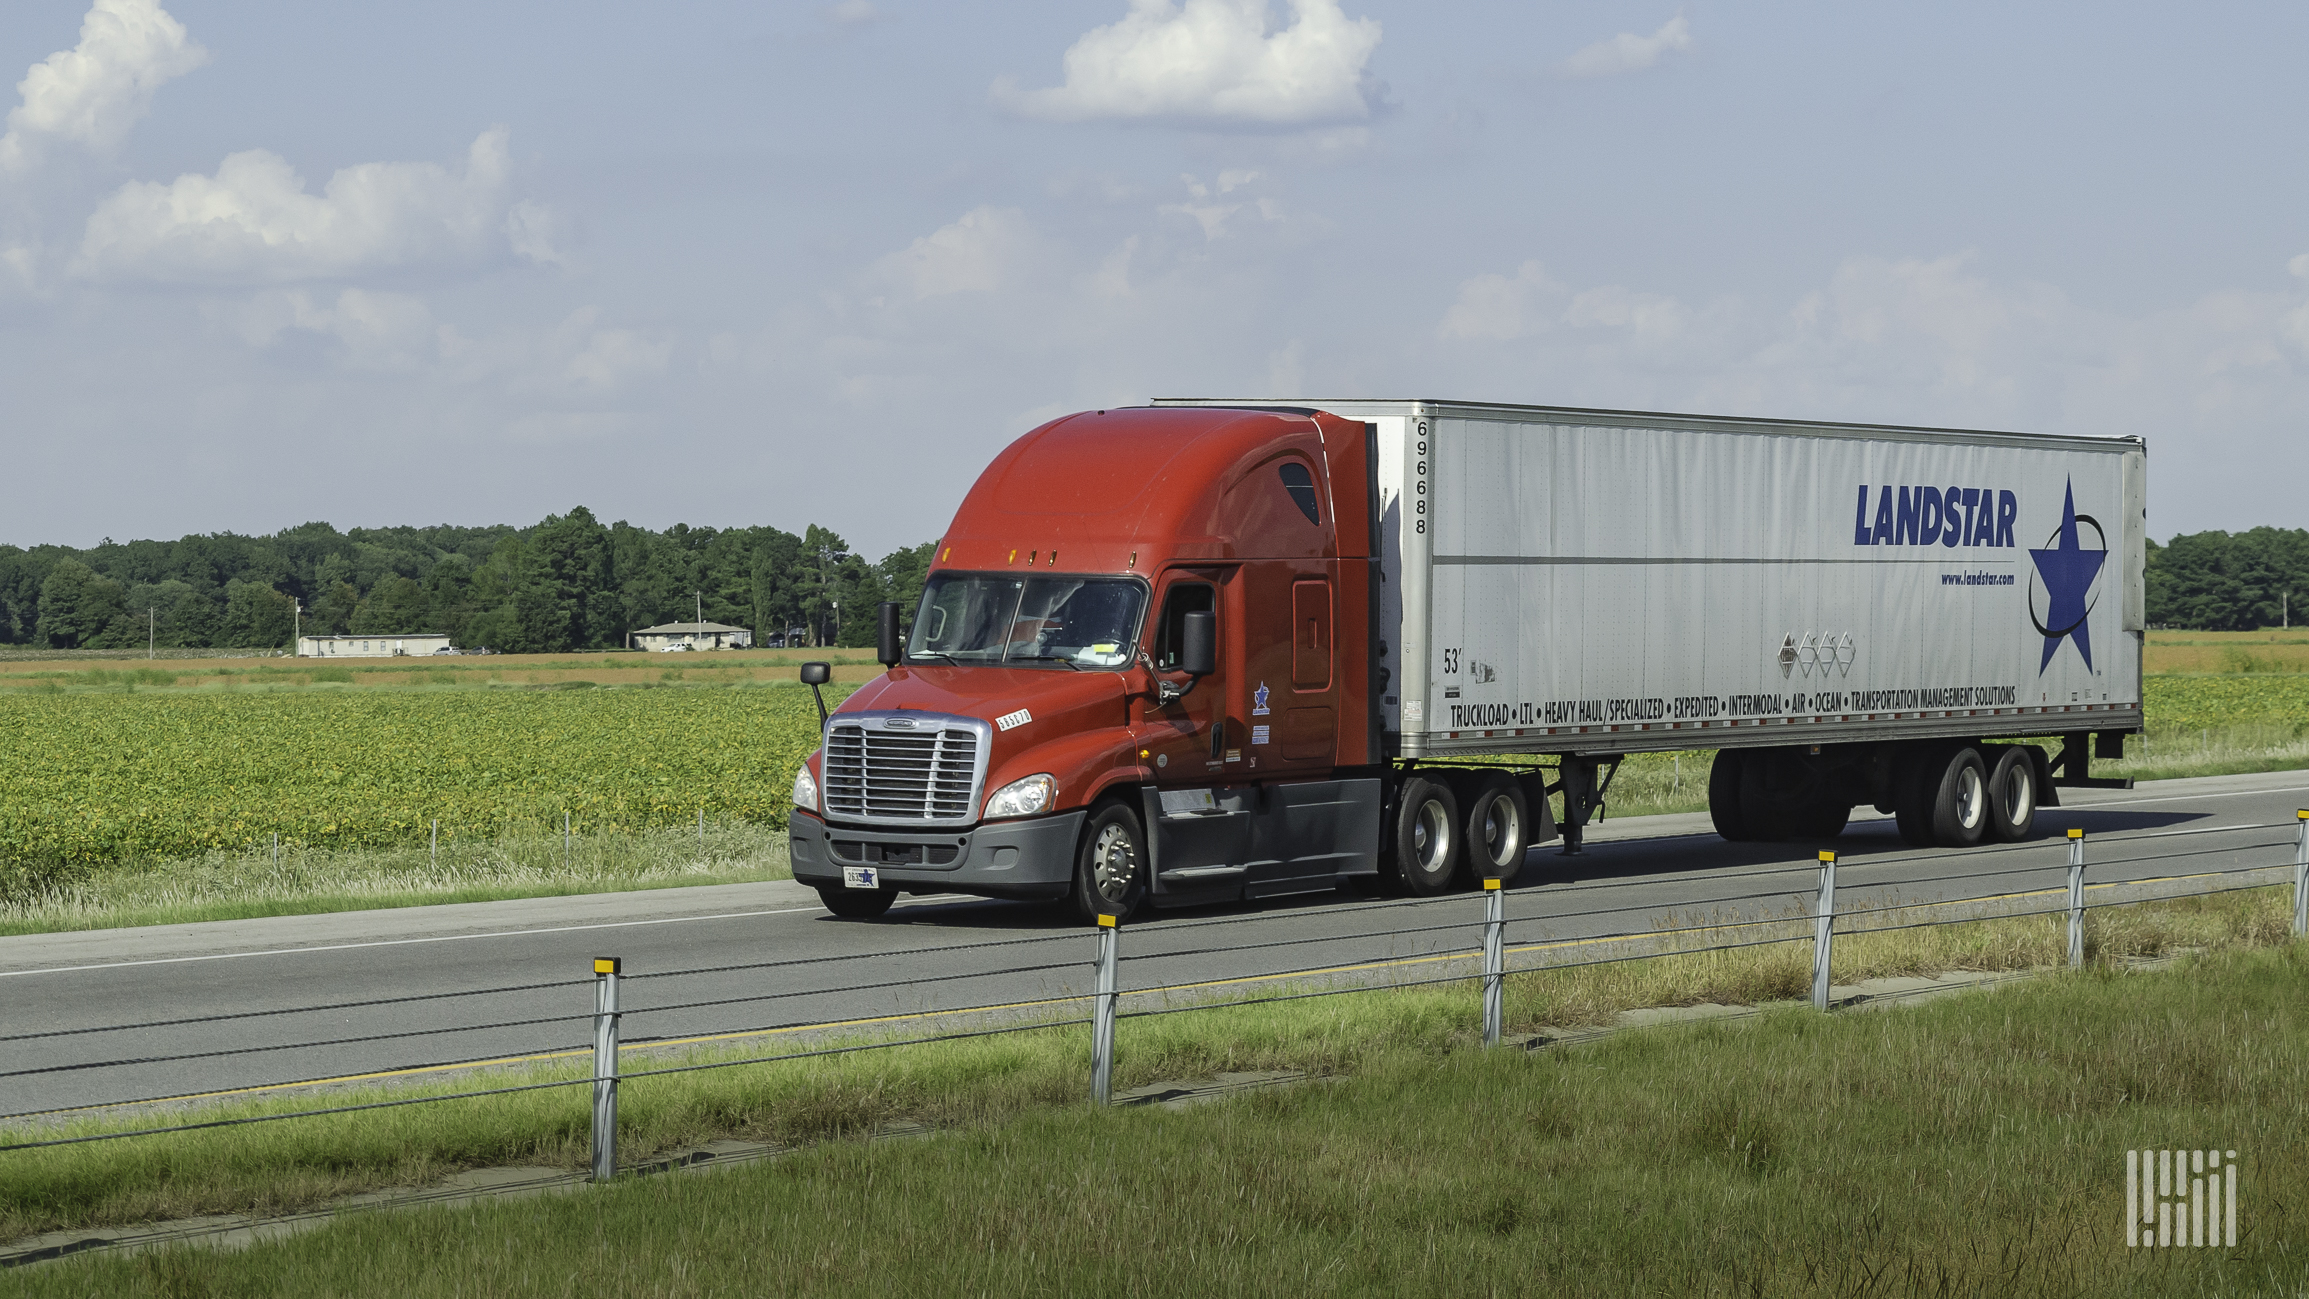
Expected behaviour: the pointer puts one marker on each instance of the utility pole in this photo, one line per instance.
(700, 628)
(296, 638)
(151, 630)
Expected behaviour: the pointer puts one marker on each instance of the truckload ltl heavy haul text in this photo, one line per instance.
(1206, 650)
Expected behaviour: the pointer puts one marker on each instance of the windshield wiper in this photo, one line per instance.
(1048, 658)
(936, 654)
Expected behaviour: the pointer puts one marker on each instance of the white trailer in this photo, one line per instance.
(1845, 611)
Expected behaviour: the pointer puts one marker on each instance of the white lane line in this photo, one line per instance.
(402, 942)
(2180, 798)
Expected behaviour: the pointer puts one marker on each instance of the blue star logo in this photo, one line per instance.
(2068, 571)
(1259, 700)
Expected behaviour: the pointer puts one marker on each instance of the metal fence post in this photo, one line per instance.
(2301, 874)
(1823, 930)
(436, 843)
(2076, 899)
(1494, 960)
(605, 972)
(565, 841)
(1102, 1016)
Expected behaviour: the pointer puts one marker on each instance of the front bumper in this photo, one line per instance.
(1033, 858)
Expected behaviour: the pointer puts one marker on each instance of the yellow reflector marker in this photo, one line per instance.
(605, 965)
(1106, 922)
(1491, 886)
(1827, 856)
(2076, 834)
(2303, 814)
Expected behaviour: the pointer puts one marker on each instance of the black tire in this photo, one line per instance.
(1498, 827)
(1724, 805)
(1823, 821)
(2012, 794)
(1110, 864)
(1427, 836)
(1915, 782)
(856, 904)
(1960, 803)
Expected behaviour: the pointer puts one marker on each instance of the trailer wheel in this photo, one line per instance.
(1427, 836)
(857, 904)
(1960, 804)
(1498, 827)
(1915, 787)
(1110, 865)
(2012, 794)
(1724, 806)
(1822, 820)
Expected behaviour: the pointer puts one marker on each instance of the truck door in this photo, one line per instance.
(1186, 740)
(1200, 826)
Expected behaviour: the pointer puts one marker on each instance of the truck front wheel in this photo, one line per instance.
(1427, 836)
(1110, 866)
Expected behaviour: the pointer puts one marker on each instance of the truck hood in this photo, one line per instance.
(1055, 702)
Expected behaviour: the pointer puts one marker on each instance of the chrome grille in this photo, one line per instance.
(905, 768)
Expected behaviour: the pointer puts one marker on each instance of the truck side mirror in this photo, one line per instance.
(813, 676)
(1199, 644)
(886, 650)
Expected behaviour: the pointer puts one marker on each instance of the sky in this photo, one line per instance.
(732, 264)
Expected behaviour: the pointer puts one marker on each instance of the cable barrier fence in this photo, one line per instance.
(1038, 984)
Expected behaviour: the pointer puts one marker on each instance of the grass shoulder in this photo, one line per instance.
(1973, 1145)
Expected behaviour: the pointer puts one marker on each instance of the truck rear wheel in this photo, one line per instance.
(2012, 794)
(1110, 866)
(857, 904)
(1427, 836)
(1724, 806)
(1498, 827)
(1960, 803)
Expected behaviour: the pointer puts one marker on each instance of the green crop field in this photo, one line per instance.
(107, 777)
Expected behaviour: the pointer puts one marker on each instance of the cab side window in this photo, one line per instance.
(1170, 633)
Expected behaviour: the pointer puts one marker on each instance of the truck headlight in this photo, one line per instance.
(805, 790)
(1029, 797)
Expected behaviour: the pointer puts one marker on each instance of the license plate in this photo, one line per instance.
(861, 877)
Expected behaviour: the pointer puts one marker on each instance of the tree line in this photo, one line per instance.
(568, 582)
(2221, 581)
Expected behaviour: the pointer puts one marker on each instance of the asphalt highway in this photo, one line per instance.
(281, 1000)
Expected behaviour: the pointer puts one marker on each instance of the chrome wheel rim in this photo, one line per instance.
(1502, 832)
(2019, 795)
(1113, 863)
(1431, 837)
(1969, 797)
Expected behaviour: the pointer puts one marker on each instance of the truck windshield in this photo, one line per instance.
(972, 618)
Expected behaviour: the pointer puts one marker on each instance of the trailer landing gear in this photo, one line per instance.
(1582, 795)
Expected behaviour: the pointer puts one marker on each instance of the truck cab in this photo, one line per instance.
(1040, 733)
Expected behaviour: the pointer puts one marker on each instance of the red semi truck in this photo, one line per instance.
(1203, 650)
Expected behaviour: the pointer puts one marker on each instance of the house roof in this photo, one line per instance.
(381, 635)
(694, 628)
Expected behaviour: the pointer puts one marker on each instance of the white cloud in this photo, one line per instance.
(1902, 340)
(1213, 61)
(254, 223)
(1628, 52)
(1212, 215)
(980, 252)
(93, 93)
